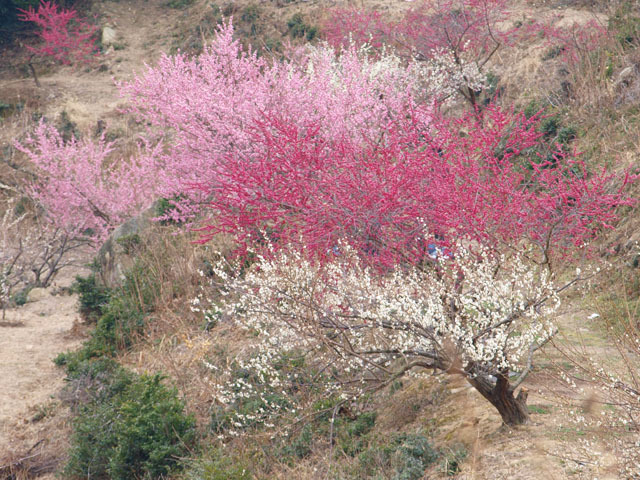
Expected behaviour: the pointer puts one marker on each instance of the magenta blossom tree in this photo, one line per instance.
(65, 38)
(460, 178)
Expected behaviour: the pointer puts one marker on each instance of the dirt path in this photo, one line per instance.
(30, 337)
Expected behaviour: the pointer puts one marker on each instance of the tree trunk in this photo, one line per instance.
(512, 409)
(33, 72)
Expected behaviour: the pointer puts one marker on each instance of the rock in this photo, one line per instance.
(625, 77)
(116, 254)
(627, 87)
(109, 35)
(36, 294)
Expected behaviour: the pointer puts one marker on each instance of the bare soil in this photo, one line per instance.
(30, 338)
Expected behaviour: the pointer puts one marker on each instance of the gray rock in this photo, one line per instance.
(626, 77)
(116, 254)
(36, 294)
(109, 35)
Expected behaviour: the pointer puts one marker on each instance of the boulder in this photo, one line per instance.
(626, 77)
(109, 35)
(36, 294)
(116, 255)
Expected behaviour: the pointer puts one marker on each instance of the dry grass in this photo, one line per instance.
(39, 444)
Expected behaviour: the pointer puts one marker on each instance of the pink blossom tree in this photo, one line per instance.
(65, 37)
(209, 105)
(85, 191)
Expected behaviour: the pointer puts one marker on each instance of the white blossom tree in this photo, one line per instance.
(478, 315)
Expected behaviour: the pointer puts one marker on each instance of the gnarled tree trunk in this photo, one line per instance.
(513, 409)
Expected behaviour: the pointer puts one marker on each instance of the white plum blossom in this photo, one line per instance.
(478, 315)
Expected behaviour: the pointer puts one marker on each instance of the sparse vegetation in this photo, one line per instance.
(298, 28)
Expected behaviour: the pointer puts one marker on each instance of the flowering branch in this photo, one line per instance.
(375, 328)
(66, 38)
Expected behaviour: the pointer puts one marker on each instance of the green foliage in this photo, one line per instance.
(300, 447)
(299, 29)
(21, 206)
(130, 427)
(251, 13)
(7, 109)
(219, 465)
(129, 243)
(21, 297)
(415, 455)
(531, 109)
(557, 136)
(67, 128)
(625, 24)
(93, 298)
(179, 4)
(272, 45)
(549, 126)
(120, 313)
(539, 409)
(491, 89)
(362, 424)
(351, 433)
(250, 17)
(408, 455)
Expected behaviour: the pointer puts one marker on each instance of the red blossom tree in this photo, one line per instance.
(65, 37)
(461, 178)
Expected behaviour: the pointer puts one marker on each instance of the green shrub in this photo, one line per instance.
(21, 297)
(218, 465)
(298, 28)
(300, 446)
(408, 455)
(362, 424)
(414, 455)
(67, 128)
(94, 380)
(250, 18)
(121, 319)
(129, 243)
(93, 297)
(135, 428)
(179, 4)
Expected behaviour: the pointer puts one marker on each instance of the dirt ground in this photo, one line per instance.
(30, 337)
